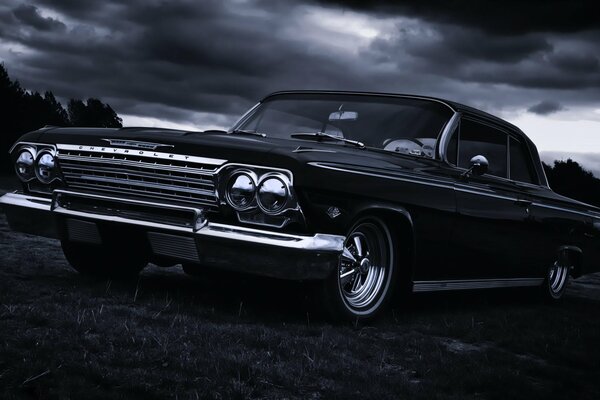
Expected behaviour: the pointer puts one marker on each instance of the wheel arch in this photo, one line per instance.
(573, 256)
(400, 222)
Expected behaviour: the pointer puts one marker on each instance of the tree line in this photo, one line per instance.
(572, 180)
(24, 111)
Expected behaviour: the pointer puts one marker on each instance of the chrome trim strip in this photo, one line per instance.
(141, 153)
(434, 286)
(456, 187)
(496, 196)
(563, 209)
(334, 92)
(397, 178)
(403, 179)
(136, 143)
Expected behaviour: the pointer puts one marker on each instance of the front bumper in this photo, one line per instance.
(230, 247)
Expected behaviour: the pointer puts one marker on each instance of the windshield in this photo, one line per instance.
(396, 124)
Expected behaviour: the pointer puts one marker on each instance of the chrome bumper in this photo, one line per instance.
(209, 244)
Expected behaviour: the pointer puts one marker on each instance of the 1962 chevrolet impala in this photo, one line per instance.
(368, 193)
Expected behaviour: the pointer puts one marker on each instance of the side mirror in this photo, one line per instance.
(478, 166)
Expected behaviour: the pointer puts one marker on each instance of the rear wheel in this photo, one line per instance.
(556, 281)
(362, 284)
(103, 261)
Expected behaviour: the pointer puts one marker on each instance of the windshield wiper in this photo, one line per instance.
(323, 135)
(248, 132)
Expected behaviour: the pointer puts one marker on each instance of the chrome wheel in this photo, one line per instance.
(366, 266)
(557, 279)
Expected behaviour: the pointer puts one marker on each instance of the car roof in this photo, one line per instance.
(453, 105)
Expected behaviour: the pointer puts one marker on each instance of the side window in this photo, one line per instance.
(521, 167)
(452, 149)
(481, 139)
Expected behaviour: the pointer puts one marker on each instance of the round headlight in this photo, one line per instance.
(272, 195)
(45, 168)
(24, 165)
(241, 190)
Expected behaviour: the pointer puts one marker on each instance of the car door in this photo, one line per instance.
(493, 213)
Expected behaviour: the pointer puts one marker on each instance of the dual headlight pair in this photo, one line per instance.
(270, 192)
(32, 164)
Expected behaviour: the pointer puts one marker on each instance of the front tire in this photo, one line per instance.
(363, 283)
(103, 261)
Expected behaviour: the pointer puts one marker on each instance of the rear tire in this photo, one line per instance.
(103, 261)
(362, 285)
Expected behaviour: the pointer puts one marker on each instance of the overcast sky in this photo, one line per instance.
(200, 64)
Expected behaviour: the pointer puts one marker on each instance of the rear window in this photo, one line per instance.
(521, 167)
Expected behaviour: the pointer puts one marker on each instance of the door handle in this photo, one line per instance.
(523, 202)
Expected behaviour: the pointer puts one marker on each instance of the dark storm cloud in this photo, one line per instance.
(533, 60)
(202, 56)
(456, 45)
(545, 107)
(498, 17)
(168, 59)
(29, 15)
(576, 63)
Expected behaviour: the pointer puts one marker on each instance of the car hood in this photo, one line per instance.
(241, 148)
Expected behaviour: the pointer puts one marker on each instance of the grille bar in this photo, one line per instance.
(82, 169)
(91, 179)
(133, 161)
(140, 173)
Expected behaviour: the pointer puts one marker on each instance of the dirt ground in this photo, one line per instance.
(168, 335)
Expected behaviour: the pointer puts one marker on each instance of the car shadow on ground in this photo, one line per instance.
(234, 295)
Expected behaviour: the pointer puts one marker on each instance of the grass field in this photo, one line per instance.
(168, 335)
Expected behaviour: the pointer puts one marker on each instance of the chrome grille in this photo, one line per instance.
(140, 173)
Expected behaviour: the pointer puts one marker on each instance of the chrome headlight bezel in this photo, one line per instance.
(279, 180)
(22, 162)
(46, 169)
(257, 213)
(229, 196)
(34, 181)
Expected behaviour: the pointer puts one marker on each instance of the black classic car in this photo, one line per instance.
(365, 193)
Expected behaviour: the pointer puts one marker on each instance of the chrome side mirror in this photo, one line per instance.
(478, 165)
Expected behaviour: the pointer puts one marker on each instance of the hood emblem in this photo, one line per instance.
(136, 144)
